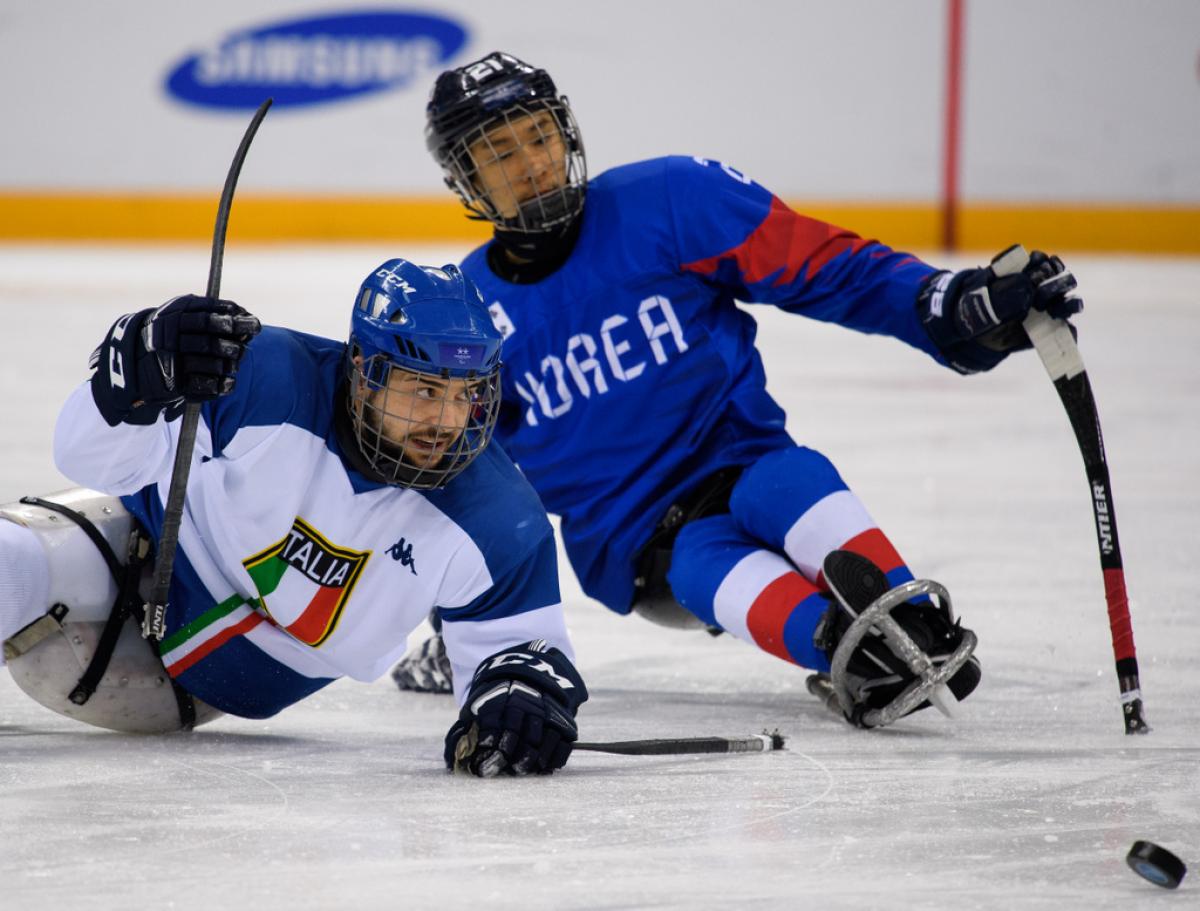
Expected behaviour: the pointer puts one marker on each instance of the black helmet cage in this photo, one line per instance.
(473, 100)
(372, 400)
(544, 210)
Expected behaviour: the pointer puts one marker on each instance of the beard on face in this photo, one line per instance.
(433, 445)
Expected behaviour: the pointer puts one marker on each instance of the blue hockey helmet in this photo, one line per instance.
(423, 366)
(468, 105)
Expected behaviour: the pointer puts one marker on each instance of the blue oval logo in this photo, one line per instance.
(316, 60)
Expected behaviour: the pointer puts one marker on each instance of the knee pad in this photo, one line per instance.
(49, 655)
(705, 551)
(789, 480)
(796, 503)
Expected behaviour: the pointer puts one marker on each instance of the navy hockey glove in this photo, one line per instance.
(974, 316)
(188, 350)
(519, 717)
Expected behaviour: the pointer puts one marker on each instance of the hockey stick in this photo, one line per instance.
(154, 623)
(1056, 347)
(758, 743)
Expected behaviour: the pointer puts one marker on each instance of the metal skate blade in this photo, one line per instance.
(944, 701)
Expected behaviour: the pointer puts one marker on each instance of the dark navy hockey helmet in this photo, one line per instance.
(423, 367)
(508, 144)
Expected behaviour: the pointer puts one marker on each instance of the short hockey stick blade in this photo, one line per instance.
(758, 743)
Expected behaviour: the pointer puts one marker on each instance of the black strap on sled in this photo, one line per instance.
(127, 604)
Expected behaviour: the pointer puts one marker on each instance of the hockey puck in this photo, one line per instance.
(1158, 865)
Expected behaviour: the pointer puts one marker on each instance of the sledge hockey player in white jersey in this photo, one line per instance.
(338, 493)
(635, 400)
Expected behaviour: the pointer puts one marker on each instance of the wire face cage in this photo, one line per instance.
(419, 429)
(524, 170)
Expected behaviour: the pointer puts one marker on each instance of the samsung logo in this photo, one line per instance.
(317, 60)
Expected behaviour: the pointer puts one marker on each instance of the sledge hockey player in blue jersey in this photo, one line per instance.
(635, 400)
(339, 492)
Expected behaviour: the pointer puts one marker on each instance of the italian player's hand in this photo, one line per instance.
(187, 350)
(519, 715)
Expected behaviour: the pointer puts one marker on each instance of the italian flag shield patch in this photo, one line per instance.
(304, 581)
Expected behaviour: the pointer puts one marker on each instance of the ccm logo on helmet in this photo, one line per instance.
(391, 280)
(316, 60)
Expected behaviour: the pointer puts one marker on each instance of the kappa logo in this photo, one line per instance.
(304, 582)
(403, 552)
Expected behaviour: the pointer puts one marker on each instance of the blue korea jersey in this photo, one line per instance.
(629, 373)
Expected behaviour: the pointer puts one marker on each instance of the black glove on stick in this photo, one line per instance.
(188, 350)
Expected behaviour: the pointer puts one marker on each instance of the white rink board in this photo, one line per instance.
(1030, 801)
(1091, 100)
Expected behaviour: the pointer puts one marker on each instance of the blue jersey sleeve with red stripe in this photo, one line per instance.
(737, 235)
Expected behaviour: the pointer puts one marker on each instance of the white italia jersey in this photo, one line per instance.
(293, 569)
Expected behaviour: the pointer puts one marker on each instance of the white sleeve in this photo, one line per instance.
(114, 460)
(522, 605)
(469, 642)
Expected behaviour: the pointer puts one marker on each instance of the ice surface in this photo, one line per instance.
(1029, 800)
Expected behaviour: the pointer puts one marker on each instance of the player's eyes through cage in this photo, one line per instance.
(499, 168)
(420, 430)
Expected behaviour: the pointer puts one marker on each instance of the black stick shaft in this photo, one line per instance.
(222, 222)
(1079, 403)
(1056, 347)
(760, 743)
(154, 624)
